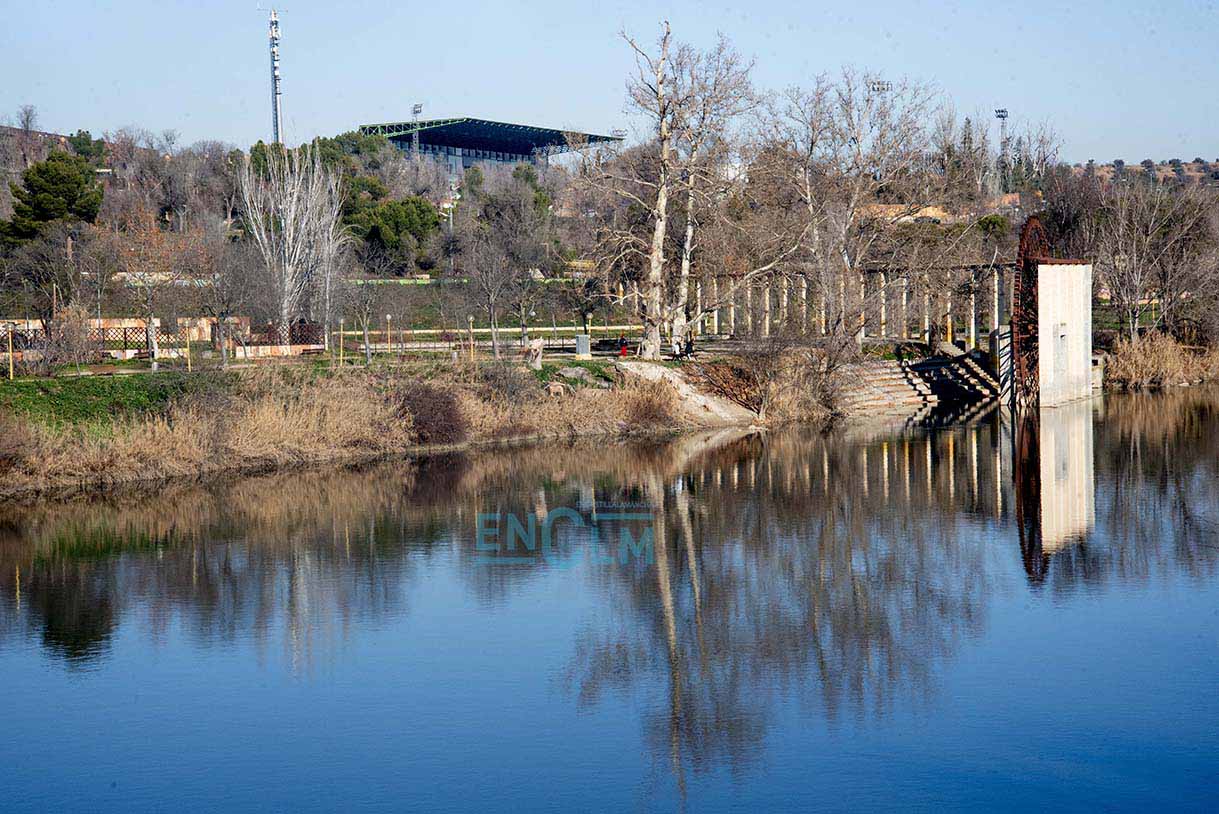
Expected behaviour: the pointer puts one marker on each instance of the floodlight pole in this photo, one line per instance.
(416, 109)
(1001, 115)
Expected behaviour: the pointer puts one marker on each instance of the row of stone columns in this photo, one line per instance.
(780, 300)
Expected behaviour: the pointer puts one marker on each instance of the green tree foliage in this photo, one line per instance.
(260, 154)
(61, 189)
(393, 231)
(355, 152)
(994, 227)
(91, 149)
(395, 228)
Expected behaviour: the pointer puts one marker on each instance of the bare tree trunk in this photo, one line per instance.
(682, 295)
(494, 330)
(150, 337)
(222, 329)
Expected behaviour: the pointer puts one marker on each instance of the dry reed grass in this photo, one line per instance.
(1155, 360)
(282, 418)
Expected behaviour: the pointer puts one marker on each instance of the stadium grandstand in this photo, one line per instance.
(463, 142)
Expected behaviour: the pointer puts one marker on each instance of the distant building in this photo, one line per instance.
(463, 142)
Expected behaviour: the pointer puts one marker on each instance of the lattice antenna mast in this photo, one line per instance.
(276, 121)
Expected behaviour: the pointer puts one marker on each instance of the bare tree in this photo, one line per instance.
(510, 245)
(714, 91)
(292, 214)
(642, 179)
(153, 261)
(850, 156)
(27, 134)
(363, 296)
(225, 276)
(1151, 244)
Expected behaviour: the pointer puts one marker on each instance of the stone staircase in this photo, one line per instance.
(886, 388)
(882, 388)
(957, 379)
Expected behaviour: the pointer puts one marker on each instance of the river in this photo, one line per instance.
(960, 616)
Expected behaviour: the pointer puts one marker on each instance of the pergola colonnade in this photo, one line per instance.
(884, 304)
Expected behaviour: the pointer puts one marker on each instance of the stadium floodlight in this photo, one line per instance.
(416, 109)
(880, 86)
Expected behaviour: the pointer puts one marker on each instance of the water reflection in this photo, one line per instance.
(842, 571)
(1055, 483)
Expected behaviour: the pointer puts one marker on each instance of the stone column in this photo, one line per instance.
(927, 314)
(905, 333)
(999, 303)
(949, 326)
(863, 306)
(884, 304)
(766, 309)
(698, 307)
(783, 290)
(973, 315)
(732, 308)
(803, 304)
(715, 303)
(749, 308)
(843, 319)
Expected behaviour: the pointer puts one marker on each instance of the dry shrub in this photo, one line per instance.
(339, 416)
(507, 382)
(145, 448)
(779, 381)
(637, 406)
(648, 405)
(1155, 360)
(16, 442)
(733, 379)
(435, 413)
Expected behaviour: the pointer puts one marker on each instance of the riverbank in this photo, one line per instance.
(66, 436)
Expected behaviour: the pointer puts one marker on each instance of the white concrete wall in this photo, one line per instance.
(1064, 331)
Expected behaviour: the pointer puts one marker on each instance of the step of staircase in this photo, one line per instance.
(882, 387)
(885, 387)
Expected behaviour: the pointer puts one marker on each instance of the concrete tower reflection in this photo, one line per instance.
(1055, 483)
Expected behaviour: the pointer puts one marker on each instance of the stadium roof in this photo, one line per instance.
(481, 134)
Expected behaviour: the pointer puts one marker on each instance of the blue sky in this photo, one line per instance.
(1116, 79)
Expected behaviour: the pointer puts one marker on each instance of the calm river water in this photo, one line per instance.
(966, 616)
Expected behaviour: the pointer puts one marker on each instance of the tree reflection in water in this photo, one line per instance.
(838, 571)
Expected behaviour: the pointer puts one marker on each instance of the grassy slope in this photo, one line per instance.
(102, 399)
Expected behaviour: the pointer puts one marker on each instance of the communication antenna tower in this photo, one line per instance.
(275, 114)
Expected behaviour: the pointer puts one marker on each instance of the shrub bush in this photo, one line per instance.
(435, 413)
